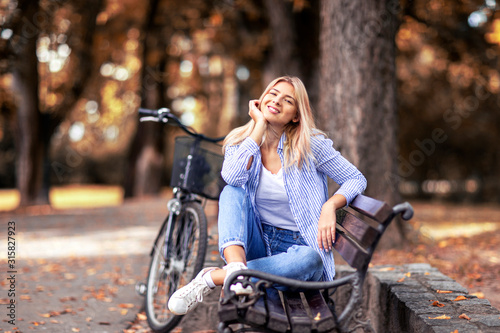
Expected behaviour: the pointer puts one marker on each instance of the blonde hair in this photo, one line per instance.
(297, 146)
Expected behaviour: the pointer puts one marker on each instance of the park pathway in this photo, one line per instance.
(76, 269)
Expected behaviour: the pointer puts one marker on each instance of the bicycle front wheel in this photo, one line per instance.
(178, 256)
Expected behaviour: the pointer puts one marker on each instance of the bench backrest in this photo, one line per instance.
(359, 229)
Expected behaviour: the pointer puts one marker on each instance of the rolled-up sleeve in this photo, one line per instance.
(236, 158)
(330, 162)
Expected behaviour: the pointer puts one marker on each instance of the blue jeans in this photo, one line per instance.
(267, 248)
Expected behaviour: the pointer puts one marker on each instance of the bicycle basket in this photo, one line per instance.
(205, 164)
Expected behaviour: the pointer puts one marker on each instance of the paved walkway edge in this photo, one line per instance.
(418, 298)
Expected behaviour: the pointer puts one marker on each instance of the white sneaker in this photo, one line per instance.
(238, 287)
(188, 297)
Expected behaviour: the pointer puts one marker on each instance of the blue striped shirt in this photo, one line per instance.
(307, 188)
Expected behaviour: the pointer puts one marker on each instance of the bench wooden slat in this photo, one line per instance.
(363, 232)
(257, 314)
(322, 316)
(375, 209)
(276, 319)
(353, 253)
(228, 312)
(297, 314)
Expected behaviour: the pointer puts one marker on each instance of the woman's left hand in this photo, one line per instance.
(326, 227)
(328, 220)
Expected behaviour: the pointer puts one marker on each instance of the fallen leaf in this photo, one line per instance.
(440, 317)
(318, 316)
(475, 276)
(69, 276)
(123, 312)
(142, 316)
(67, 298)
(25, 297)
(438, 304)
(478, 295)
(45, 315)
(74, 329)
(455, 331)
(37, 323)
(126, 305)
(386, 269)
(402, 279)
(460, 298)
(444, 291)
(104, 323)
(464, 316)
(408, 274)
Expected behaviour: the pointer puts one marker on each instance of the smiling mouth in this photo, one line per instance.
(273, 109)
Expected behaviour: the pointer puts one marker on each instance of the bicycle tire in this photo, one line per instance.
(188, 245)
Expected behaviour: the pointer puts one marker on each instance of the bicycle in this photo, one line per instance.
(178, 251)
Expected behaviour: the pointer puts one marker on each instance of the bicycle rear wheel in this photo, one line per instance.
(175, 261)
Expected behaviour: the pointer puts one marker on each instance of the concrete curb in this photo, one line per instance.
(418, 298)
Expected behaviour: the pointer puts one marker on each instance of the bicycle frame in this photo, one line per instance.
(174, 206)
(180, 196)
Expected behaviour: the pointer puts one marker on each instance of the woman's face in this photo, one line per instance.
(279, 105)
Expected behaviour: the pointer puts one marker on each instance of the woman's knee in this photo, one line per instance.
(231, 193)
(309, 258)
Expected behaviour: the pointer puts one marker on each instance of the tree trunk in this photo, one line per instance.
(30, 149)
(145, 161)
(34, 128)
(358, 91)
(282, 59)
(294, 48)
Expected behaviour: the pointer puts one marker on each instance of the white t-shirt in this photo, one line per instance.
(272, 202)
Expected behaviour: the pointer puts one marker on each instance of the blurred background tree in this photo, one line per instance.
(448, 83)
(38, 39)
(73, 73)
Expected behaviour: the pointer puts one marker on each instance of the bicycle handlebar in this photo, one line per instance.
(164, 115)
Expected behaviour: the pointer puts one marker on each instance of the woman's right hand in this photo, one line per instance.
(260, 122)
(254, 111)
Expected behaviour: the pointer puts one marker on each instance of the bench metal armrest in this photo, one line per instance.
(292, 284)
(405, 209)
(266, 280)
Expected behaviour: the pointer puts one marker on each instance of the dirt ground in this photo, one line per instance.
(462, 241)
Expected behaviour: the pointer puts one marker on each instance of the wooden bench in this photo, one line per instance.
(309, 306)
